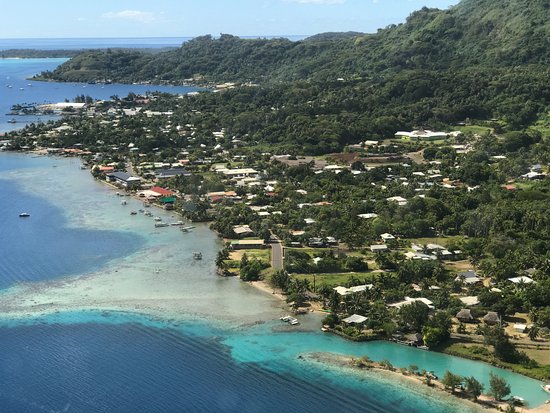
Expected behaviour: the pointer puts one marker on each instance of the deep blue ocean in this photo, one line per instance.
(106, 361)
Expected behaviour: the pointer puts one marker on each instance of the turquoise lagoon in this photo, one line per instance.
(128, 321)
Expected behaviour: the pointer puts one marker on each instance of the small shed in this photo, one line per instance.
(465, 315)
(491, 318)
(520, 328)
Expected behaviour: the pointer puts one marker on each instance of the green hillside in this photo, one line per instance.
(473, 33)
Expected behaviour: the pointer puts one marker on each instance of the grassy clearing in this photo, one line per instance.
(310, 251)
(336, 279)
(262, 255)
(480, 130)
(476, 352)
(444, 241)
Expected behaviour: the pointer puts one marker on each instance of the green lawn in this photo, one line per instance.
(444, 241)
(334, 280)
(310, 251)
(480, 130)
(542, 372)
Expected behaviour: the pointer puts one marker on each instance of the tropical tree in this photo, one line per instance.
(451, 381)
(499, 388)
(473, 387)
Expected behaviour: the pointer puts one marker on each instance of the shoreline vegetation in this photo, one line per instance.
(413, 378)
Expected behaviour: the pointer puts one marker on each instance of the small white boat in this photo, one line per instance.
(123, 203)
(161, 224)
(176, 224)
(546, 387)
(197, 255)
(285, 318)
(24, 215)
(520, 401)
(158, 219)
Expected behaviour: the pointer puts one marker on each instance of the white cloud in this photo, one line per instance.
(316, 1)
(133, 15)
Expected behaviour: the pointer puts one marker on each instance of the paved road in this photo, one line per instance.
(276, 254)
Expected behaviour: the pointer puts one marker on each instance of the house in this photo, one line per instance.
(124, 179)
(470, 300)
(415, 339)
(355, 319)
(356, 289)
(162, 192)
(316, 242)
(238, 173)
(367, 216)
(421, 134)
(468, 277)
(399, 199)
(521, 280)
(520, 328)
(242, 230)
(387, 237)
(465, 316)
(491, 318)
(409, 300)
(171, 172)
(249, 244)
(379, 248)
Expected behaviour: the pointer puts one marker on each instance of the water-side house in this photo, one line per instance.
(355, 319)
(124, 179)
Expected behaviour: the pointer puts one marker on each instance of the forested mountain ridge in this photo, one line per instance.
(491, 33)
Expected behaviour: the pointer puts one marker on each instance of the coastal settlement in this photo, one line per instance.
(427, 238)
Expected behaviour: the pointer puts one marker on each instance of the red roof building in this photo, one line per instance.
(162, 191)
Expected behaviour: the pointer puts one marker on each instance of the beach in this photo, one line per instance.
(414, 382)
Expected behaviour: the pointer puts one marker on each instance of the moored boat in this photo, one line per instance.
(197, 255)
(161, 224)
(24, 215)
(546, 387)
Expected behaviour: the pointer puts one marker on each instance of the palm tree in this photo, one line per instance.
(533, 333)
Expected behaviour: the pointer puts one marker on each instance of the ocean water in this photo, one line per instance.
(106, 42)
(15, 88)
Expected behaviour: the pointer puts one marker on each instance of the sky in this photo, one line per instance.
(182, 18)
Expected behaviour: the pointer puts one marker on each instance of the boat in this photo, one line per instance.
(123, 203)
(133, 213)
(12, 121)
(197, 255)
(546, 387)
(24, 215)
(518, 401)
(186, 229)
(161, 224)
(82, 167)
(290, 320)
(148, 214)
(158, 219)
(176, 224)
